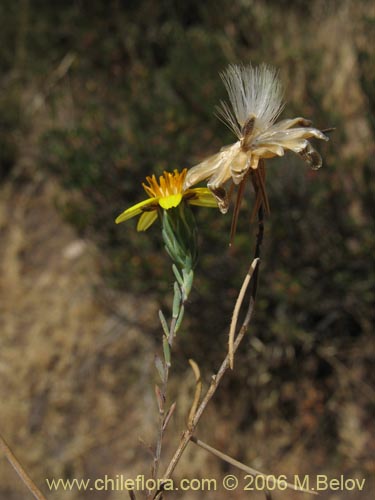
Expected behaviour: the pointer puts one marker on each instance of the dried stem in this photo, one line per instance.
(246, 468)
(28, 482)
(258, 179)
(236, 311)
(216, 379)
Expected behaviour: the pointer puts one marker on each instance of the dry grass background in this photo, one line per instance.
(76, 362)
(68, 378)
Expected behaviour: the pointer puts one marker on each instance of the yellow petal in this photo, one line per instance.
(146, 220)
(171, 201)
(202, 197)
(134, 210)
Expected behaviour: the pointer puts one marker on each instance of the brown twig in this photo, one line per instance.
(246, 468)
(258, 178)
(236, 310)
(161, 429)
(186, 436)
(28, 482)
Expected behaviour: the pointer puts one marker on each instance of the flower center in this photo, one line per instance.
(170, 184)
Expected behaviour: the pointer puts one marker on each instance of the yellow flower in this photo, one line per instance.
(167, 193)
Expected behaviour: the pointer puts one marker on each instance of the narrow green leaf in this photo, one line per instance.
(167, 352)
(163, 322)
(160, 367)
(179, 319)
(177, 274)
(176, 300)
(188, 276)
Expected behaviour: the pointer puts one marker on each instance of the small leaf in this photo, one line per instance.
(163, 322)
(188, 276)
(167, 352)
(177, 274)
(159, 398)
(160, 367)
(169, 415)
(196, 370)
(179, 319)
(176, 300)
(198, 391)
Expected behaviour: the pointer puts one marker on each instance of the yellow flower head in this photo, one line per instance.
(166, 193)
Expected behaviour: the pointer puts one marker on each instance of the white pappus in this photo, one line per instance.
(256, 101)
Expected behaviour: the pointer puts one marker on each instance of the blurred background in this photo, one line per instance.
(95, 95)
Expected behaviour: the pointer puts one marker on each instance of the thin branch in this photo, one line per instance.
(186, 436)
(258, 178)
(216, 379)
(246, 468)
(236, 310)
(261, 178)
(180, 297)
(169, 415)
(28, 482)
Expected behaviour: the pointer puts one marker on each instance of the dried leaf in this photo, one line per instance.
(198, 391)
(169, 415)
(159, 398)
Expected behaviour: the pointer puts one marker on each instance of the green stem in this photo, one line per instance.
(182, 288)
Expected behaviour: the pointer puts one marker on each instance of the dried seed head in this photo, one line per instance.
(252, 91)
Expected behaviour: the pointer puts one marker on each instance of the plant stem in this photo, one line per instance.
(180, 295)
(246, 468)
(28, 482)
(216, 379)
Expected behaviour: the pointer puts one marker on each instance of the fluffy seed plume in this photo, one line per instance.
(256, 101)
(253, 92)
